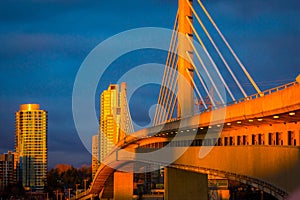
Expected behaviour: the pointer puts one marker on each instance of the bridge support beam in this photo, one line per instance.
(123, 186)
(107, 192)
(182, 184)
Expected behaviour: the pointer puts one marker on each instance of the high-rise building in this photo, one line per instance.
(115, 120)
(31, 146)
(95, 154)
(7, 172)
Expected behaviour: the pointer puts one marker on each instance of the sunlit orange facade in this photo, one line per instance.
(185, 68)
(95, 153)
(31, 146)
(109, 119)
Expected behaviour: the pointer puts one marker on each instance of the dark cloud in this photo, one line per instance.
(16, 11)
(253, 8)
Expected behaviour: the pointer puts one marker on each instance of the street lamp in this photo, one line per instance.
(56, 194)
(76, 189)
(85, 180)
(69, 190)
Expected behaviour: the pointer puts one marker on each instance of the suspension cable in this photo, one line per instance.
(229, 47)
(196, 88)
(201, 80)
(210, 58)
(205, 69)
(170, 91)
(219, 53)
(157, 112)
(167, 91)
(165, 77)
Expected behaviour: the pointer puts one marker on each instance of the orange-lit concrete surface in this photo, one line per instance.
(182, 184)
(270, 153)
(123, 186)
(278, 166)
(185, 91)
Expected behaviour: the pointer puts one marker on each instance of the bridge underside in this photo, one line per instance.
(272, 169)
(269, 159)
(277, 166)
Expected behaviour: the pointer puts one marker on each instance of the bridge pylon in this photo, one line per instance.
(185, 93)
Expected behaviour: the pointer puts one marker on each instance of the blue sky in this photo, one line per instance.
(43, 44)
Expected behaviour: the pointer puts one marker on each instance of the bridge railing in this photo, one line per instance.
(79, 195)
(255, 96)
(251, 97)
(266, 92)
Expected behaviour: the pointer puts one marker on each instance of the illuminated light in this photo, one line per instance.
(276, 117)
(210, 127)
(194, 129)
(238, 122)
(259, 120)
(228, 124)
(187, 130)
(181, 131)
(292, 113)
(218, 125)
(250, 120)
(201, 128)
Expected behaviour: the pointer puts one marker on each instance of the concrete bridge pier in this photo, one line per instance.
(123, 186)
(182, 184)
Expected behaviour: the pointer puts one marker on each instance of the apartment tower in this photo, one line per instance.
(115, 120)
(95, 154)
(7, 172)
(31, 147)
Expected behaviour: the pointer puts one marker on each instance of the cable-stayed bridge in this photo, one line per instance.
(202, 127)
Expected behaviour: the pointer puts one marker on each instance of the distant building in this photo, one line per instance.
(95, 154)
(7, 172)
(115, 120)
(31, 147)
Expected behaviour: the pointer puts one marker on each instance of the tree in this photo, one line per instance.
(63, 177)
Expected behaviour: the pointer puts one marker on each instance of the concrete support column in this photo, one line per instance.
(224, 194)
(250, 139)
(182, 184)
(123, 186)
(285, 138)
(297, 132)
(266, 136)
